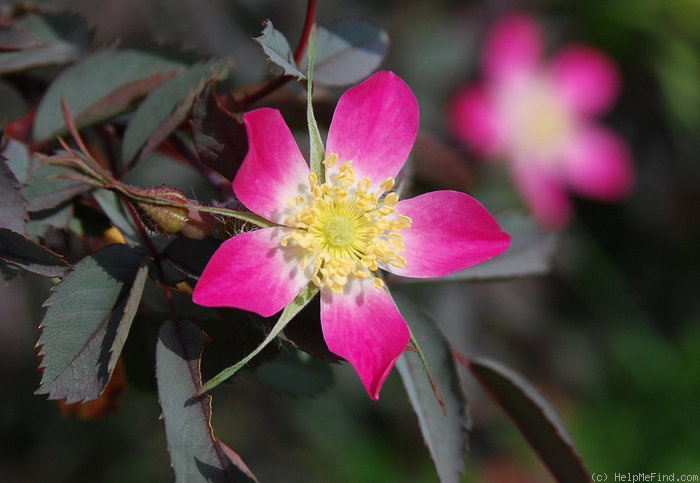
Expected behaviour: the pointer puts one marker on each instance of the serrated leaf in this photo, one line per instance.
(22, 253)
(47, 190)
(277, 49)
(534, 416)
(51, 39)
(219, 137)
(349, 50)
(101, 86)
(13, 211)
(166, 107)
(444, 432)
(88, 317)
(195, 454)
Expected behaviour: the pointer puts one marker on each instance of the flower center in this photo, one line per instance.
(339, 231)
(343, 230)
(541, 122)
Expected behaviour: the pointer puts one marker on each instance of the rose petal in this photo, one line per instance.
(513, 48)
(274, 169)
(375, 124)
(599, 164)
(544, 193)
(586, 78)
(251, 271)
(364, 327)
(449, 231)
(475, 119)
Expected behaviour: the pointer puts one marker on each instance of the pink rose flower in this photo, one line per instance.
(337, 234)
(541, 117)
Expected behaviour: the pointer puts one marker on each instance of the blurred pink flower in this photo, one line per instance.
(541, 117)
(337, 234)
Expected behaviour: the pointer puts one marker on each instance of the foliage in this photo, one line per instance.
(87, 124)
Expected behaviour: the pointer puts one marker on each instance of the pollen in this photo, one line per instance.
(342, 229)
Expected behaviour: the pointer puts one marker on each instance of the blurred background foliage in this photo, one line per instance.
(611, 335)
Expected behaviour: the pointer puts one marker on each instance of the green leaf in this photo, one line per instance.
(166, 107)
(295, 372)
(444, 431)
(288, 313)
(13, 211)
(100, 86)
(317, 151)
(349, 50)
(195, 454)
(277, 49)
(46, 189)
(22, 253)
(88, 318)
(534, 416)
(49, 39)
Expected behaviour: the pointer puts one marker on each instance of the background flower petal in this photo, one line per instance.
(586, 78)
(274, 169)
(474, 118)
(375, 124)
(364, 327)
(450, 231)
(252, 272)
(599, 164)
(544, 194)
(513, 47)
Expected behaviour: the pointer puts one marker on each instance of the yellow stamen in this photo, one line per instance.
(344, 230)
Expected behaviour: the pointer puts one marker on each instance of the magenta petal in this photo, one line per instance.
(251, 271)
(599, 165)
(544, 194)
(364, 327)
(449, 231)
(475, 119)
(586, 78)
(274, 169)
(375, 124)
(513, 47)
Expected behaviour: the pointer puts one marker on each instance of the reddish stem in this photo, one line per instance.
(278, 82)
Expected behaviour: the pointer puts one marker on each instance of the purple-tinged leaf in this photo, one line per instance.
(46, 189)
(50, 39)
(13, 38)
(164, 109)
(534, 416)
(119, 215)
(195, 454)
(348, 50)
(219, 137)
(190, 256)
(113, 80)
(13, 210)
(277, 49)
(445, 431)
(22, 253)
(88, 317)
